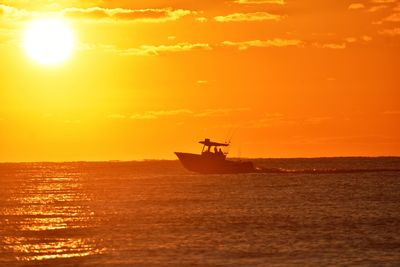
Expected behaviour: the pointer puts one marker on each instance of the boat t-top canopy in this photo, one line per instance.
(208, 142)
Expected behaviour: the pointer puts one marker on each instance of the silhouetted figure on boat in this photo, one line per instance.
(208, 162)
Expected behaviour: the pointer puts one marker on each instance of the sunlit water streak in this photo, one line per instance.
(46, 215)
(157, 214)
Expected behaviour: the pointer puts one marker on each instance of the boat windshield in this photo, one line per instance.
(214, 148)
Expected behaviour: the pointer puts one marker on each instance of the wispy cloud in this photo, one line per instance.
(150, 115)
(202, 82)
(277, 42)
(170, 112)
(156, 114)
(116, 116)
(331, 45)
(10, 12)
(255, 16)
(218, 112)
(201, 19)
(351, 39)
(355, 6)
(383, 1)
(122, 14)
(148, 50)
(155, 50)
(390, 32)
(143, 117)
(395, 17)
(51, 4)
(366, 38)
(150, 15)
(377, 8)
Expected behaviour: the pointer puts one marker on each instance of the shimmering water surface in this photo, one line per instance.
(157, 214)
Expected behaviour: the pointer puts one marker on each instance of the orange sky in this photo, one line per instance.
(296, 78)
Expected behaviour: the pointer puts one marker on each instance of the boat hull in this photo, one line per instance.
(213, 164)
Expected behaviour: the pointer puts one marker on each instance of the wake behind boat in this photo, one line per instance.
(213, 160)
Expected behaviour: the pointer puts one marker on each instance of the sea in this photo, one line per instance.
(155, 213)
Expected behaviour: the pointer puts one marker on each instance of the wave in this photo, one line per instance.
(318, 171)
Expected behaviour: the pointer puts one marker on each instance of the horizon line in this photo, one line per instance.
(144, 160)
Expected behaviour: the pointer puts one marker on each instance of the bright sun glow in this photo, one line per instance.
(48, 41)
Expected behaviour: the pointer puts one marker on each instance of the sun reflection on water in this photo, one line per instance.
(27, 249)
(48, 218)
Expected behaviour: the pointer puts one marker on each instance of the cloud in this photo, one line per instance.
(263, 43)
(9, 12)
(201, 19)
(390, 32)
(377, 8)
(393, 17)
(255, 16)
(155, 50)
(278, 2)
(366, 38)
(122, 14)
(101, 47)
(170, 112)
(218, 112)
(355, 6)
(151, 15)
(51, 4)
(146, 50)
(331, 45)
(156, 114)
(351, 39)
(150, 115)
(116, 116)
(143, 117)
(383, 1)
(202, 82)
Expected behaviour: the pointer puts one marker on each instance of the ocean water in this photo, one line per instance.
(154, 213)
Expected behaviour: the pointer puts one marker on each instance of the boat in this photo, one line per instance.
(213, 161)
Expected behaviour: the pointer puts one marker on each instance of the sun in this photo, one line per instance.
(48, 41)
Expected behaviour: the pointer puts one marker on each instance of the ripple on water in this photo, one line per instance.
(47, 218)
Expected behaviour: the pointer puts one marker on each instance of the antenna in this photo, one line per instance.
(228, 134)
(233, 133)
